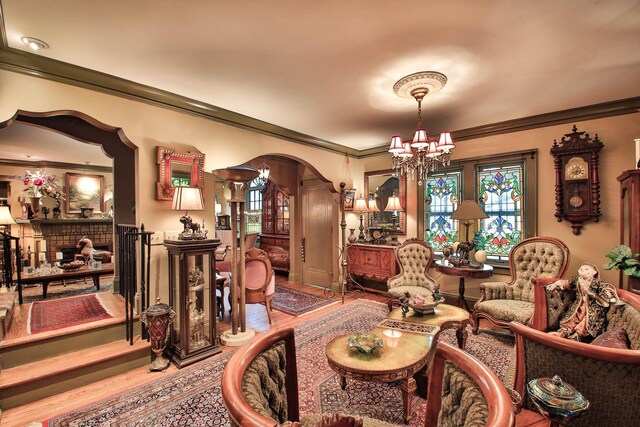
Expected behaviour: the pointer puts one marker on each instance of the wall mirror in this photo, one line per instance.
(380, 186)
(177, 169)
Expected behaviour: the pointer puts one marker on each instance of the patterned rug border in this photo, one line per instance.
(317, 304)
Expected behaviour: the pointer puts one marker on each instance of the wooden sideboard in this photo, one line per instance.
(371, 265)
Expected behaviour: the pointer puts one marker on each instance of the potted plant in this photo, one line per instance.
(623, 259)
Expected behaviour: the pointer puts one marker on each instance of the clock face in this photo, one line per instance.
(376, 234)
(576, 168)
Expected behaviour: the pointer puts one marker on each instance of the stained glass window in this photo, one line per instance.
(500, 193)
(442, 192)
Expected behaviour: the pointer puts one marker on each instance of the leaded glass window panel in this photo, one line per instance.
(500, 193)
(442, 193)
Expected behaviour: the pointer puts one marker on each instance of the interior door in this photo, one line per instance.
(318, 217)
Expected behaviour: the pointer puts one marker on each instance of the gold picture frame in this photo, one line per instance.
(84, 191)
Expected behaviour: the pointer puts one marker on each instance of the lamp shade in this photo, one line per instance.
(393, 204)
(187, 199)
(469, 209)
(373, 206)
(5, 216)
(361, 205)
(396, 145)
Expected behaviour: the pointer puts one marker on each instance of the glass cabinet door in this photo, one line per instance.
(198, 300)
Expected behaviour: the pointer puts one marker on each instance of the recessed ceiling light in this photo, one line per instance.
(34, 43)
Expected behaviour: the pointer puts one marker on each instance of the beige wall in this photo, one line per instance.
(148, 126)
(595, 240)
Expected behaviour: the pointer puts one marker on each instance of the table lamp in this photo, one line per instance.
(394, 206)
(188, 199)
(373, 207)
(5, 217)
(362, 206)
(467, 212)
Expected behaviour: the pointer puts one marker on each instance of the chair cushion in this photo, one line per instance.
(536, 258)
(616, 338)
(507, 310)
(462, 401)
(313, 420)
(398, 292)
(263, 383)
(626, 317)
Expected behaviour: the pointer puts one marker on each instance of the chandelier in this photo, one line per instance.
(264, 171)
(422, 155)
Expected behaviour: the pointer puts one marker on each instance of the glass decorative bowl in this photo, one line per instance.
(421, 310)
(365, 343)
(73, 265)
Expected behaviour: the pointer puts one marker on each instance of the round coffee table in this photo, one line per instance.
(400, 357)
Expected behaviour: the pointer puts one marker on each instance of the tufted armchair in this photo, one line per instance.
(501, 303)
(609, 378)
(414, 257)
(260, 384)
(464, 392)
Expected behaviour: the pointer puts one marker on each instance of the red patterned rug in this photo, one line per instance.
(64, 312)
(297, 303)
(191, 396)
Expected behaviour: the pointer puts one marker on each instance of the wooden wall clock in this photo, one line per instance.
(577, 191)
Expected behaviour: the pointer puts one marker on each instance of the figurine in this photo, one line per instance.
(585, 319)
(404, 304)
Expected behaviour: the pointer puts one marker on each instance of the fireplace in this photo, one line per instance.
(63, 235)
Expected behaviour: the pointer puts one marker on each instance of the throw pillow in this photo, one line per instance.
(615, 338)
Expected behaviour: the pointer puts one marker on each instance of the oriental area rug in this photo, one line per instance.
(191, 396)
(61, 313)
(297, 303)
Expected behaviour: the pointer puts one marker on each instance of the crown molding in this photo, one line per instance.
(38, 66)
(41, 164)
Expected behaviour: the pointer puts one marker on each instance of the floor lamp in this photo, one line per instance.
(237, 178)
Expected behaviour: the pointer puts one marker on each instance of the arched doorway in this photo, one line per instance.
(113, 143)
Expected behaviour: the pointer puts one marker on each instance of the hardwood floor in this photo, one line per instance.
(64, 402)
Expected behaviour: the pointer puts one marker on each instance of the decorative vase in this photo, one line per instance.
(481, 256)
(352, 237)
(158, 317)
(35, 205)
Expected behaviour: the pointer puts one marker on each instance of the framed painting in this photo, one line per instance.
(84, 191)
(349, 198)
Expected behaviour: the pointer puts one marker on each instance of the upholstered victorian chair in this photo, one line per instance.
(414, 257)
(501, 303)
(609, 378)
(260, 281)
(260, 384)
(464, 392)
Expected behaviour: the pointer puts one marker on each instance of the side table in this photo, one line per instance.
(447, 268)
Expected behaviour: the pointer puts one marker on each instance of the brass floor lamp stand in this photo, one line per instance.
(237, 178)
(343, 261)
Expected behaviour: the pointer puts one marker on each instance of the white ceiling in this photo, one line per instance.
(326, 68)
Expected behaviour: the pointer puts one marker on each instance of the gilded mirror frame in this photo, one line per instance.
(373, 218)
(166, 157)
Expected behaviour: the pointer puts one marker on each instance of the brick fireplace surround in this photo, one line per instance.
(62, 235)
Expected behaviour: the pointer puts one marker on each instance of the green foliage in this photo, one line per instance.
(622, 258)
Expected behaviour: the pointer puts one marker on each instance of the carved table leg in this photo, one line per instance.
(408, 387)
(462, 303)
(461, 334)
(343, 382)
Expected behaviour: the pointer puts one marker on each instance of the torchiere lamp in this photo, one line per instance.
(361, 205)
(237, 178)
(467, 212)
